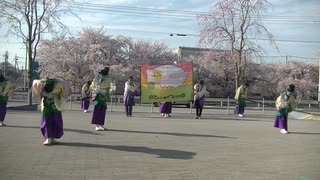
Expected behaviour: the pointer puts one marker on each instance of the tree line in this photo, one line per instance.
(76, 59)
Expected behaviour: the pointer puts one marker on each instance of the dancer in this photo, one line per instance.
(5, 92)
(165, 109)
(130, 91)
(199, 98)
(100, 88)
(85, 93)
(51, 92)
(284, 104)
(241, 96)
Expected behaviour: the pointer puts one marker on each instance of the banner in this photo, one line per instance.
(166, 83)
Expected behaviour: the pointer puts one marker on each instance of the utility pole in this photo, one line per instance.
(6, 56)
(16, 67)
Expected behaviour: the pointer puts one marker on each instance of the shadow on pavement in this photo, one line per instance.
(306, 133)
(65, 129)
(161, 153)
(173, 134)
(129, 131)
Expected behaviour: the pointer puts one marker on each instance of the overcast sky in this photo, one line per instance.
(295, 24)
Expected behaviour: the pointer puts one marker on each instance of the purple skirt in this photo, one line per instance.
(3, 111)
(239, 110)
(52, 125)
(198, 102)
(281, 122)
(98, 115)
(85, 104)
(165, 107)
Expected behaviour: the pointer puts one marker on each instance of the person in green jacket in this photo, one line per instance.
(241, 95)
(5, 92)
(284, 104)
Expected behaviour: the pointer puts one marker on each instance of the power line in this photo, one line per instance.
(288, 56)
(291, 41)
(103, 8)
(193, 34)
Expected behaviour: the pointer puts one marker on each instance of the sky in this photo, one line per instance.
(295, 25)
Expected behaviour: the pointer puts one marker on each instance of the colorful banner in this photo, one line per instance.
(166, 83)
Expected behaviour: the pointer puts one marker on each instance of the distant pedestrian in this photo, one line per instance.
(86, 96)
(241, 95)
(5, 92)
(284, 104)
(165, 109)
(130, 91)
(52, 93)
(199, 98)
(100, 88)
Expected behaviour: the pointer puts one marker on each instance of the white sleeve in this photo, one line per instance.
(126, 86)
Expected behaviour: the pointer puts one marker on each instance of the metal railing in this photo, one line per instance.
(223, 103)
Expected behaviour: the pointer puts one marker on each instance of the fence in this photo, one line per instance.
(222, 103)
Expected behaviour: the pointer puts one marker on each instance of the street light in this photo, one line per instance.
(172, 34)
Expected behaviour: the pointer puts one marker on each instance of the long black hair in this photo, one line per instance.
(105, 71)
(2, 78)
(49, 85)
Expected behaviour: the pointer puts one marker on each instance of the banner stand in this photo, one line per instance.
(151, 109)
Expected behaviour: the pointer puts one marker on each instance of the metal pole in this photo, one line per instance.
(111, 104)
(262, 105)
(151, 107)
(228, 106)
(70, 102)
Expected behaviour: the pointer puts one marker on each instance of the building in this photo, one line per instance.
(185, 52)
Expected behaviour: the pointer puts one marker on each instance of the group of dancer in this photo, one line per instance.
(285, 104)
(52, 93)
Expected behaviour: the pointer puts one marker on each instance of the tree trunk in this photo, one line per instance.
(30, 62)
(238, 74)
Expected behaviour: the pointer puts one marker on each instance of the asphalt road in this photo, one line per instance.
(147, 146)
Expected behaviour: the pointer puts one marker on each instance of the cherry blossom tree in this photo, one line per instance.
(216, 67)
(217, 64)
(232, 25)
(300, 74)
(140, 52)
(78, 59)
(29, 19)
(272, 78)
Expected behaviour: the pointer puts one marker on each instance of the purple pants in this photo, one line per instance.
(98, 115)
(281, 122)
(239, 110)
(165, 107)
(85, 104)
(52, 125)
(3, 111)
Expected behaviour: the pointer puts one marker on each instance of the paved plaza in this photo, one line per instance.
(220, 146)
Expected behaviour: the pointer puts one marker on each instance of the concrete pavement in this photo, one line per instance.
(148, 146)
